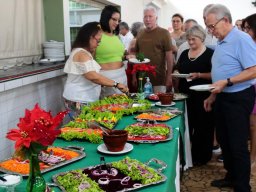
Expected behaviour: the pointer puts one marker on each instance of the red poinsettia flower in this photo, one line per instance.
(143, 68)
(37, 126)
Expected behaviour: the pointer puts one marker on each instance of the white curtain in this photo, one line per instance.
(22, 30)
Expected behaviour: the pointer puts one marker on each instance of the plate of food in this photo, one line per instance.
(136, 61)
(93, 135)
(206, 87)
(50, 159)
(155, 116)
(119, 104)
(167, 105)
(142, 132)
(153, 97)
(112, 177)
(179, 96)
(180, 75)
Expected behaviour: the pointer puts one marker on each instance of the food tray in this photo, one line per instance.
(154, 116)
(173, 112)
(151, 140)
(79, 150)
(136, 184)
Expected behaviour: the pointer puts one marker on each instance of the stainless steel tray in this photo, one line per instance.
(153, 160)
(79, 150)
(168, 138)
(155, 113)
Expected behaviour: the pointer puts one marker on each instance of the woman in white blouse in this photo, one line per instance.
(84, 82)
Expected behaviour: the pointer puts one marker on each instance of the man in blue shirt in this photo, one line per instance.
(233, 73)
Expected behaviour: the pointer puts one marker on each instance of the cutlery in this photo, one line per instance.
(91, 124)
(2, 178)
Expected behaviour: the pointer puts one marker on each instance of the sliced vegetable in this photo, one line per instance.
(77, 181)
(93, 135)
(137, 170)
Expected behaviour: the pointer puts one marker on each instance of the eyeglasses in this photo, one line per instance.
(246, 28)
(97, 40)
(212, 27)
(116, 20)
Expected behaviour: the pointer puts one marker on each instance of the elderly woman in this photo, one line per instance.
(84, 82)
(110, 52)
(249, 26)
(196, 61)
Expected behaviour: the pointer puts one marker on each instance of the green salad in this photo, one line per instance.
(137, 170)
(137, 129)
(77, 181)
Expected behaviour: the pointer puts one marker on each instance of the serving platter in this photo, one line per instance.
(155, 116)
(70, 155)
(179, 96)
(112, 177)
(119, 104)
(149, 132)
(93, 135)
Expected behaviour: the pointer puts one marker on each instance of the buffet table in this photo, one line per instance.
(165, 151)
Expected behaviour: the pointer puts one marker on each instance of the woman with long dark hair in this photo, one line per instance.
(84, 81)
(110, 52)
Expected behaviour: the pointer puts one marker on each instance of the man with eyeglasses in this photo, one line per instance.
(233, 71)
(210, 41)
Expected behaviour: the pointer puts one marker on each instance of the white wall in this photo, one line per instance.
(13, 102)
(194, 9)
(132, 10)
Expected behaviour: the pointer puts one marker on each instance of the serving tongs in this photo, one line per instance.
(132, 96)
(94, 124)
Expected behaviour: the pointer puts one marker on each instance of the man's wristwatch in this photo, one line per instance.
(115, 84)
(230, 83)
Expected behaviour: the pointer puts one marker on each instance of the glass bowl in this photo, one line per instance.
(11, 182)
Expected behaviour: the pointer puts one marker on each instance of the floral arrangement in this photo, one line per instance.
(142, 69)
(36, 131)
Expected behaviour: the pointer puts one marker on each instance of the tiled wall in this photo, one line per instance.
(45, 89)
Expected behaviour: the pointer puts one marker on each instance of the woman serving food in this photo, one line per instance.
(84, 81)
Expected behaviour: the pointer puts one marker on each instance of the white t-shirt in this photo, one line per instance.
(126, 40)
(77, 87)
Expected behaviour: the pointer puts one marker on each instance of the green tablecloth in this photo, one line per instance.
(165, 151)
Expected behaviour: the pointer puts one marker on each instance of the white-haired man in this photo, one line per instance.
(155, 43)
(233, 73)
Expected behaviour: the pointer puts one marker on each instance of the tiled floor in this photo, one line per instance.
(198, 179)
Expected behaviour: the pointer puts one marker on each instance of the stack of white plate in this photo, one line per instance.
(54, 50)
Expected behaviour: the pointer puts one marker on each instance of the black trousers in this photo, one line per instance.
(201, 127)
(232, 112)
